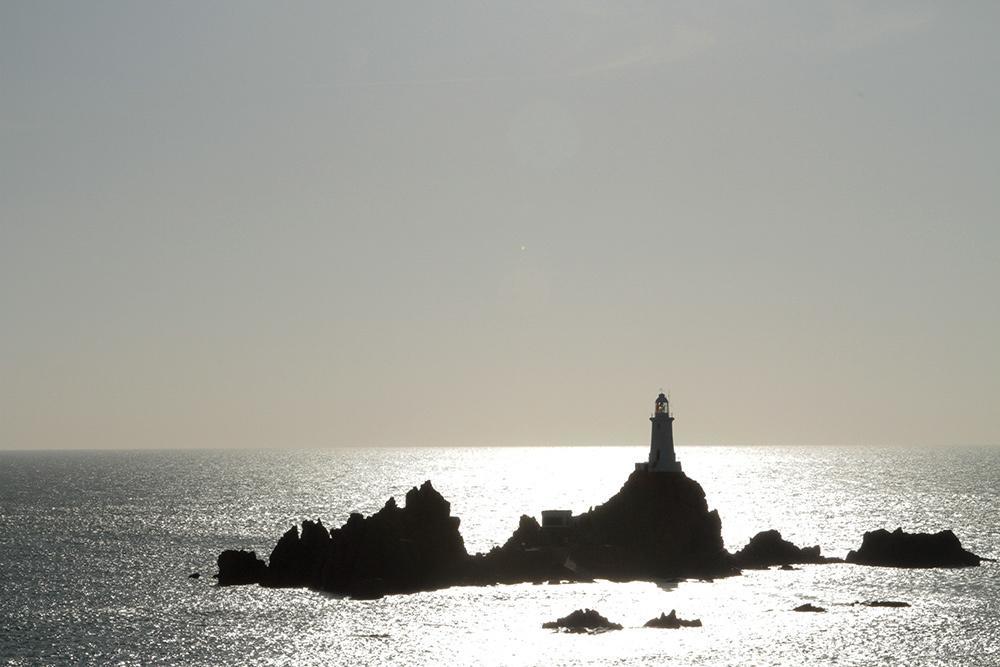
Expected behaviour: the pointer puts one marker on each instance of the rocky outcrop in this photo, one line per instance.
(240, 567)
(882, 603)
(582, 620)
(396, 550)
(767, 548)
(670, 621)
(298, 560)
(899, 549)
(658, 526)
(809, 607)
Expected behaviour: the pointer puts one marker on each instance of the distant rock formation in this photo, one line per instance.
(671, 621)
(809, 607)
(882, 603)
(767, 548)
(657, 526)
(899, 549)
(582, 620)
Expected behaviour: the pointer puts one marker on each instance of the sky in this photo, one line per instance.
(493, 223)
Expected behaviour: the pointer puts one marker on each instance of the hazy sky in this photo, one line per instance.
(477, 223)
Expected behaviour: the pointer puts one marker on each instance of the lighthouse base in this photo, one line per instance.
(672, 466)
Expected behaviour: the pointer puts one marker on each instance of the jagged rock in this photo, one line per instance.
(396, 550)
(671, 621)
(582, 620)
(767, 548)
(240, 567)
(298, 561)
(883, 603)
(899, 549)
(657, 526)
(809, 607)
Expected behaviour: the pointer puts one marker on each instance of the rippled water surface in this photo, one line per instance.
(95, 549)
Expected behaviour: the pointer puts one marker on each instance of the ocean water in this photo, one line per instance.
(95, 549)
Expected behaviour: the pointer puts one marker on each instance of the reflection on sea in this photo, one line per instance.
(95, 548)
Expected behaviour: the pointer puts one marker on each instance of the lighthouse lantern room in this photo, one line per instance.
(661, 442)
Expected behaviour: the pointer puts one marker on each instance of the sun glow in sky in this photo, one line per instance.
(242, 223)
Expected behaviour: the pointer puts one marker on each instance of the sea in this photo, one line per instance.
(96, 548)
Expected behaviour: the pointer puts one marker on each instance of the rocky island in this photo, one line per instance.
(657, 527)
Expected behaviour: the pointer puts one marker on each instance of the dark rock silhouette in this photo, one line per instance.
(582, 620)
(396, 550)
(658, 526)
(809, 607)
(899, 549)
(671, 621)
(882, 603)
(298, 560)
(194, 575)
(240, 567)
(767, 548)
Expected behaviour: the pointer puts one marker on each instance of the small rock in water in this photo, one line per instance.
(194, 575)
(671, 621)
(884, 603)
(808, 607)
(582, 620)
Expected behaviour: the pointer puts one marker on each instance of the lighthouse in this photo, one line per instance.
(661, 440)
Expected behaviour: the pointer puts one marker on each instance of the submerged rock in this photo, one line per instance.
(883, 603)
(809, 607)
(240, 567)
(900, 549)
(767, 548)
(582, 620)
(671, 621)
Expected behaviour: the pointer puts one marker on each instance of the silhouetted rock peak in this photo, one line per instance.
(809, 607)
(671, 622)
(767, 548)
(657, 526)
(427, 502)
(900, 549)
(582, 620)
(296, 560)
(527, 534)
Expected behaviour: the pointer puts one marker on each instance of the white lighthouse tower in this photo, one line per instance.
(661, 441)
